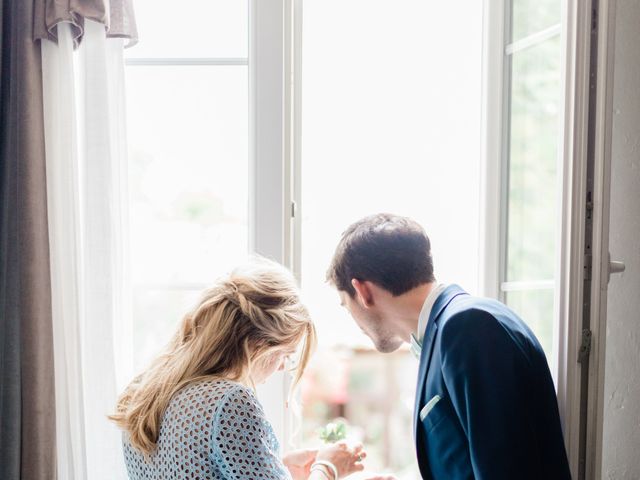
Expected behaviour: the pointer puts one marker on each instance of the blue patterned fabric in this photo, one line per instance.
(212, 429)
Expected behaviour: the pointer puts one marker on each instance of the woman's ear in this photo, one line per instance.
(363, 292)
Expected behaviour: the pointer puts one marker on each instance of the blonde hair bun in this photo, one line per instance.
(241, 319)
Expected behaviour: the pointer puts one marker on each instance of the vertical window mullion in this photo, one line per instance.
(268, 165)
(267, 121)
(493, 135)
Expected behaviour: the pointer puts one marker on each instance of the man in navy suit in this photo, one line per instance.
(485, 403)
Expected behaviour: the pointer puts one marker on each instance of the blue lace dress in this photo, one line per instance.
(212, 429)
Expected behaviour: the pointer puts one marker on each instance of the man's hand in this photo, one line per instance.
(299, 463)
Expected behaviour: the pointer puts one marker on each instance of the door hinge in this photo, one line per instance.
(293, 209)
(585, 346)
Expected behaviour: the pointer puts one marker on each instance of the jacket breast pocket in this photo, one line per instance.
(434, 411)
(446, 444)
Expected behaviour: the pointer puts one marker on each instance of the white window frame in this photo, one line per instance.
(601, 131)
(581, 411)
(274, 109)
(274, 61)
(581, 303)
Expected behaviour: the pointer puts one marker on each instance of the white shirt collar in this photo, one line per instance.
(423, 319)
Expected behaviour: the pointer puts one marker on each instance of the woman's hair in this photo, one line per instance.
(243, 318)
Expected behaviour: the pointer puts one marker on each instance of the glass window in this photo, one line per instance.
(533, 152)
(191, 29)
(532, 142)
(536, 307)
(390, 122)
(156, 312)
(533, 16)
(188, 163)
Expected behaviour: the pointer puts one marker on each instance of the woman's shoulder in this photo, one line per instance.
(209, 386)
(241, 400)
(210, 393)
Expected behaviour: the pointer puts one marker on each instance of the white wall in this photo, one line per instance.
(621, 433)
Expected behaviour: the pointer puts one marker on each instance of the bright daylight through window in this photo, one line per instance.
(390, 122)
(187, 100)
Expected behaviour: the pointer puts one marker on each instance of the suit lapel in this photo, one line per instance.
(425, 359)
(440, 304)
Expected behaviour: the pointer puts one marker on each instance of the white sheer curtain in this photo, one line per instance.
(86, 189)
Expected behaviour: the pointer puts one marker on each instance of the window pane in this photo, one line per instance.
(391, 123)
(536, 309)
(532, 16)
(533, 153)
(191, 28)
(401, 137)
(188, 174)
(157, 314)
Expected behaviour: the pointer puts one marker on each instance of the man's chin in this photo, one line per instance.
(388, 345)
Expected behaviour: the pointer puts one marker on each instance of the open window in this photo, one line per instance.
(273, 130)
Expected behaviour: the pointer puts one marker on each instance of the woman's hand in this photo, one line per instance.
(346, 460)
(299, 463)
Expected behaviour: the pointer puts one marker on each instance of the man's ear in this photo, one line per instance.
(363, 292)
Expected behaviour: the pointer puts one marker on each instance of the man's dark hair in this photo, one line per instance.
(391, 251)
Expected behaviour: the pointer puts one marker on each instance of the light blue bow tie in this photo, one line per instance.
(416, 346)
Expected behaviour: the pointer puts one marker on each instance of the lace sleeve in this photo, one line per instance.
(244, 445)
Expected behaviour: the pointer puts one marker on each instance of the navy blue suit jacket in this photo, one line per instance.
(486, 405)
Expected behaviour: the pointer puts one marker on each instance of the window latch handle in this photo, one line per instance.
(615, 266)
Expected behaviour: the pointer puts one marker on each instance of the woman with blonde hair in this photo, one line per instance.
(194, 414)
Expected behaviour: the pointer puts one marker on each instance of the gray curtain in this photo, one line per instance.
(116, 15)
(27, 395)
(27, 400)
